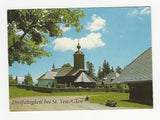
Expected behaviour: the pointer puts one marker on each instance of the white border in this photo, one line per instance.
(72, 115)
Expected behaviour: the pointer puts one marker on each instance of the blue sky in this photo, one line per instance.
(118, 35)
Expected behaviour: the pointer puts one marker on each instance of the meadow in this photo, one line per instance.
(122, 99)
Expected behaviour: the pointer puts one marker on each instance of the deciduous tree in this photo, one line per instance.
(66, 65)
(28, 80)
(28, 29)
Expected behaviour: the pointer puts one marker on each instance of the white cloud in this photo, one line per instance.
(97, 24)
(140, 11)
(92, 40)
(145, 11)
(65, 29)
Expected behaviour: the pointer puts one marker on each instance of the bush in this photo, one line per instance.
(59, 86)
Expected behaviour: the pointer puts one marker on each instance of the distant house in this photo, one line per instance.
(107, 81)
(76, 76)
(138, 75)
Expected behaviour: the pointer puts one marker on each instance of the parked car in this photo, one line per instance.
(111, 103)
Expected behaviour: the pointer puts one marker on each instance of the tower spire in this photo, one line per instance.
(78, 46)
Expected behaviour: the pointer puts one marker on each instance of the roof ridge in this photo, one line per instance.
(139, 56)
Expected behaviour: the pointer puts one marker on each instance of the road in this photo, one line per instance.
(56, 103)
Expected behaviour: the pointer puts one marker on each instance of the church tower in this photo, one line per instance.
(78, 58)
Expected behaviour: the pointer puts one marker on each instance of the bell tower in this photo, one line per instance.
(78, 58)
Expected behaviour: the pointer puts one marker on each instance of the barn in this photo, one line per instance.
(138, 75)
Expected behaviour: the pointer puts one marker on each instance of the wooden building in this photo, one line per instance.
(138, 75)
(76, 76)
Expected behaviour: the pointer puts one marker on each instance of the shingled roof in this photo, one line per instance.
(139, 70)
(83, 77)
(111, 76)
(48, 76)
(58, 72)
(62, 71)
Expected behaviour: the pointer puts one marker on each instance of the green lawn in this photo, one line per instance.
(100, 98)
(120, 98)
(18, 92)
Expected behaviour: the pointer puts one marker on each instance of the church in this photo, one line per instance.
(69, 76)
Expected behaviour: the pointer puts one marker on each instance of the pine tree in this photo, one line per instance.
(53, 66)
(119, 70)
(106, 68)
(100, 73)
(90, 69)
(112, 69)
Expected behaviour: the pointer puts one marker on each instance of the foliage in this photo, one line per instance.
(60, 86)
(28, 80)
(53, 66)
(106, 68)
(90, 69)
(12, 81)
(28, 29)
(119, 70)
(112, 69)
(66, 65)
(100, 73)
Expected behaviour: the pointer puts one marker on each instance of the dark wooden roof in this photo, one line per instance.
(84, 78)
(62, 71)
(140, 70)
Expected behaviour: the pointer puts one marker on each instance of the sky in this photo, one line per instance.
(117, 35)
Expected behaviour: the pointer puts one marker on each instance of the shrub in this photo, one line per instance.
(59, 86)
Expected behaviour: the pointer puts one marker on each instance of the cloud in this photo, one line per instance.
(92, 40)
(145, 11)
(140, 11)
(97, 24)
(65, 29)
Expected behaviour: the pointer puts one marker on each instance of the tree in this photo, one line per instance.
(112, 69)
(106, 68)
(13, 81)
(90, 69)
(66, 65)
(28, 29)
(28, 80)
(53, 66)
(118, 69)
(100, 73)
(16, 80)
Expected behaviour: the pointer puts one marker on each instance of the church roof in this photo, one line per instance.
(73, 72)
(62, 71)
(48, 76)
(83, 77)
(139, 70)
(58, 72)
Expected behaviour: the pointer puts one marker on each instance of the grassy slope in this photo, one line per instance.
(100, 98)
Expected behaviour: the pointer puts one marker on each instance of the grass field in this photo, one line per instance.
(100, 97)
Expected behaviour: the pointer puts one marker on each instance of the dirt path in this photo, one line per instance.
(56, 103)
